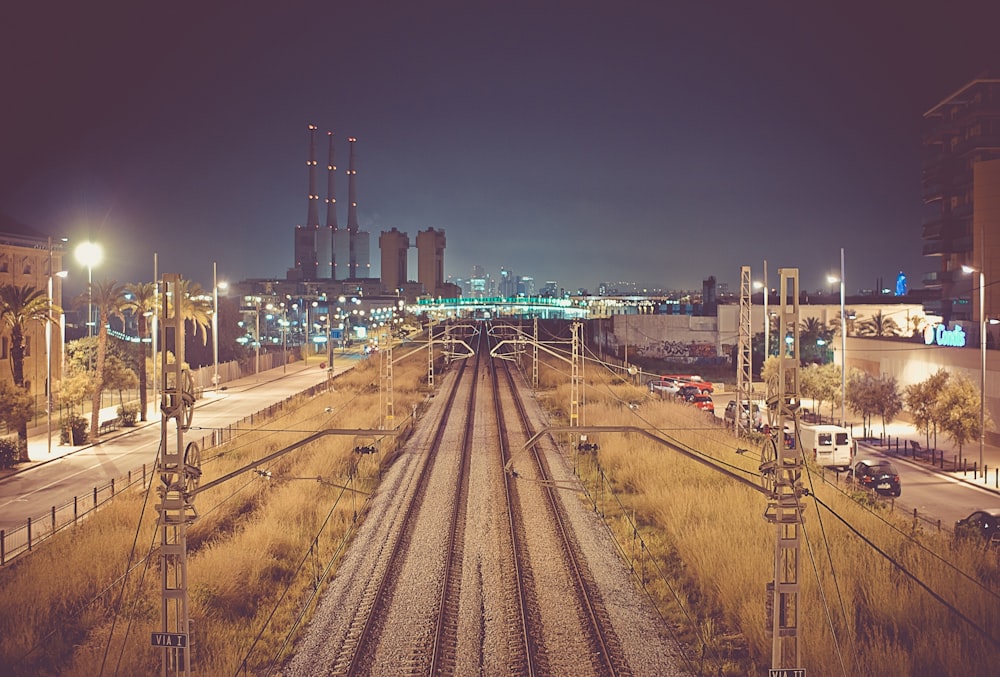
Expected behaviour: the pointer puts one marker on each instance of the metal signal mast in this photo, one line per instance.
(179, 470)
(781, 473)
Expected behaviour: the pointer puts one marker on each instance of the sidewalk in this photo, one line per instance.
(40, 440)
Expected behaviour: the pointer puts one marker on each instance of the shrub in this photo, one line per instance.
(128, 413)
(74, 430)
(8, 451)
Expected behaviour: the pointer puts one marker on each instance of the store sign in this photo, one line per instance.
(940, 335)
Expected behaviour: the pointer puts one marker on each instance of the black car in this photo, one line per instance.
(688, 393)
(877, 474)
(983, 524)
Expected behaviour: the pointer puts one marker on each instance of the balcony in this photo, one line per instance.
(934, 248)
(932, 230)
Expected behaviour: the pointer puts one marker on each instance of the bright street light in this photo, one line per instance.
(216, 286)
(982, 351)
(843, 342)
(89, 254)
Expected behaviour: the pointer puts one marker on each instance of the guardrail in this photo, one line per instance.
(23, 539)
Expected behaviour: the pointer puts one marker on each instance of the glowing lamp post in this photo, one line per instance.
(89, 254)
(843, 342)
(982, 352)
(216, 286)
(48, 353)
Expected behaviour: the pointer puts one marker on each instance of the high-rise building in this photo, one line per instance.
(507, 285)
(430, 260)
(961, 189)
(477, 283)
(394, 246)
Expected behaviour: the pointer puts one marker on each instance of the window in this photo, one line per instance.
(3, 348)
(825, 439)
(27, 346)
(4, 263)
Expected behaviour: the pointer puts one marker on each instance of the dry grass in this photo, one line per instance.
(860, 613)
(259, 549)
(256, 553)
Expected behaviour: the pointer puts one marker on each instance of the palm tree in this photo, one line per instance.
(878, 325)
(18, 307)
(140, 299)
(196, 307)
(109, 298)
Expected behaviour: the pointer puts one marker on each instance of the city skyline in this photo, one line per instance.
(579, 142)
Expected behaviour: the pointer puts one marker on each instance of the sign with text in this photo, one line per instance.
(940, 335)
(171, 639)
(786, 672)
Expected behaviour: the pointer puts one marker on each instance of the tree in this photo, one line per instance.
(140, 299)
(878, 325)
(888, 400)
(109, 298)
(18, 307)
(814, 336)
(16, 408)
(921, 401)
(195, 307)
(821, 383)
(860, 395)
(957, 410)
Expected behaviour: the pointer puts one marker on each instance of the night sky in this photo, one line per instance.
(654, 142)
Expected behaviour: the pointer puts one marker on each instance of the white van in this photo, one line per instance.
(830, 445)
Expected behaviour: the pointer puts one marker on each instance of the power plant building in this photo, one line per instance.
(394, 246)
(430, 260)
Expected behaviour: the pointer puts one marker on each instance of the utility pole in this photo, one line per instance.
(744, 369)
(179, 470)
(534, 357)
(781, 472)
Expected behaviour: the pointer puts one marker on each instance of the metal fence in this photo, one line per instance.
(23, 539)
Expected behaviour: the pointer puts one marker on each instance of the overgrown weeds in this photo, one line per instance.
(876, 597)
(80, 605)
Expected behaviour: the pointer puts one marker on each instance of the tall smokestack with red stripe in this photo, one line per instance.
(352, 212)
(331, 211)
(305, 236)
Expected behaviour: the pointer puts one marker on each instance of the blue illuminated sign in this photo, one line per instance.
(940, 335)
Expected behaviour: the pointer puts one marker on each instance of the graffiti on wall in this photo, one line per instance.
(677, 350)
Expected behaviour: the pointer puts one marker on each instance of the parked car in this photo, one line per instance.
(730, 415)
(687, 392)
(703, 402)
(876, 474)
(691, 379)
(664, 387)
(984, 524)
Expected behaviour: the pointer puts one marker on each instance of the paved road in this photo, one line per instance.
(54, 479)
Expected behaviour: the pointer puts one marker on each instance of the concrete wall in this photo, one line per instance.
(911, 363)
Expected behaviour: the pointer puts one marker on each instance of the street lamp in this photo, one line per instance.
(843, 342)
(982, 352)
(89, 254)
(48, 352)
(216, 285)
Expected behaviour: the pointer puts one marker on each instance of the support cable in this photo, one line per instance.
(975, 626)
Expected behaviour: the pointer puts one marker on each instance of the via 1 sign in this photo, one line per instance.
(940, 335)
(171, 639)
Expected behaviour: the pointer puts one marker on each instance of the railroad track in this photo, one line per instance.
(470, 566)
(606, 655)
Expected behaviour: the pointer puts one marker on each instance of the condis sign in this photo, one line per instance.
(940, 335)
